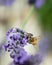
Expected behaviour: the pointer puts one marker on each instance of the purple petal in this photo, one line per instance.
(11, 30)
(6, 2)
(16, 35)
(24, 41)
(39, 3)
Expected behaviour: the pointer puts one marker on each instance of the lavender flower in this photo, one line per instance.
(37, 3)
(45, 43)
(6, 2)
(17, 37)
(21, 57)
(28, 59)
(16, 40)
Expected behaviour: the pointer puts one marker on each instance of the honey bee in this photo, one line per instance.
(32, 40)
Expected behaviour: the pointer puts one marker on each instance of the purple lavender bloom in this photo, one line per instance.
(16, 36)
(44, 44)
(29, 60)
(23, 42)
(12, 54)
(5, 47)
(9, 2)
(6, 2)
(39, 3)
(21, 57)
(16, 40)
(11, 30)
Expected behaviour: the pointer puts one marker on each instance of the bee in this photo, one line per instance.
(32, 40)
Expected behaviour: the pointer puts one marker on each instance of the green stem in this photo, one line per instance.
(27, 18)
